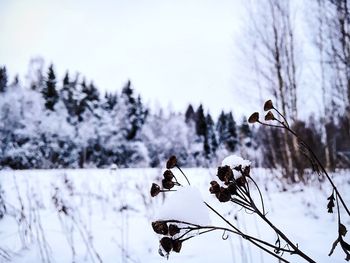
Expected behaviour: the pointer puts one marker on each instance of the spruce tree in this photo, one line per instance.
(190, 115)
(129, 100)
(49, 91)
(210, 141)
(3, 79)
(231, 140)
(221, 127)
(201, 126)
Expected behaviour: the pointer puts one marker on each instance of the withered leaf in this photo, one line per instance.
(342, 230)
(330, 204)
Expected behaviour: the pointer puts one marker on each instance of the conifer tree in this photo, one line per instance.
(3, 79)
(210, 141)
(49, 91)
(190, 115)
(201, 126)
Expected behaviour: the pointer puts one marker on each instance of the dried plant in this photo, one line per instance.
(280, 121)
(234, 186)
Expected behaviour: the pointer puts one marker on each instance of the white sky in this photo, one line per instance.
(174, 51)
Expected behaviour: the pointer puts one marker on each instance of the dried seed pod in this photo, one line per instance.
(173, 229)
(254, 117)
(160, 227)
(168, 175)
(232, 187)
(167, 244)
(172, 162)
(168, 184)
(269, 116)
(225, 173)
(241, 181)
(246, 171)
(268, 105)
(215, 187)
(177, 245)
(155, 190)
(224, 195)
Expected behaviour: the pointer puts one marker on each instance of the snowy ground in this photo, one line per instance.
(108, 216)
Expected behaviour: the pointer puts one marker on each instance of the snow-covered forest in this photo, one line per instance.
(47, 122)
(68, 123)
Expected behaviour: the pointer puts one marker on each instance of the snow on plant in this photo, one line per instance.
(281, 122)
(184, 215)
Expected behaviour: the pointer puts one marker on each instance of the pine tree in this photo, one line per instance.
(201, 126)
(227, 133)
(221, 127)
(129, 100)
(3, 79)
(210, 140)
(49, 91)
(67, 95)
(190, 115)
(231, 140)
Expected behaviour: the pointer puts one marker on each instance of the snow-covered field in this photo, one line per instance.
(96, 215)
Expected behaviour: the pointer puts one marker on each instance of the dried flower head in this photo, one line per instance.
(155, 190)
(168, 175)
(269, 116)
(232, 187)
(241, 181)
(160, 227)
(172, 162)
(177, 244)
(167, 184)
(254, 117)
(268, 105)
(246, 171)
(224, 195)
(225, 173)
(215, 187)
(167, 244)
(173, 229)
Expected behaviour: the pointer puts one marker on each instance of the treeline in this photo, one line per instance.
(53, 123)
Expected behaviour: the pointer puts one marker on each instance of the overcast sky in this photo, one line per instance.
(174, 52)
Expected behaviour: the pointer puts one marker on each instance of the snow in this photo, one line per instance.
(234, 161)
(107, 205)
(186, 205)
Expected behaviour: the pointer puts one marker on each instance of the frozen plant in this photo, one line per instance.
(335, 199)
(234, 186)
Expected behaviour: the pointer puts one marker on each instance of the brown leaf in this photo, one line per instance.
(342, 230)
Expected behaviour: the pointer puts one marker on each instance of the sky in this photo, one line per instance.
(174, 52)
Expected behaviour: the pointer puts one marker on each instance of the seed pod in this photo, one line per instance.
(246, 171)
(168, 184)
(177, 244)
(168, 175)
(172, 162)
(224, 195)
(241, 181)
(167, 244)
(269, 116)
(254, 117)
(268, 105)
(160, 227)
(215, 187)
(173, 229)
(232, 187)
(155, 190)
(225, 173)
